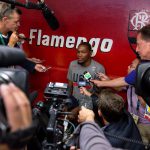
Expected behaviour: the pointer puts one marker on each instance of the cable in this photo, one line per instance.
(147, 146)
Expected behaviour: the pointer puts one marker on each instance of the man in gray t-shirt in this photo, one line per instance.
(77, 69)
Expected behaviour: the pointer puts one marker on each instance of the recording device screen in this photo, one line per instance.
(87, 75)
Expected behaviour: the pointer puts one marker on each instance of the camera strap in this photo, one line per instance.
(18, 139)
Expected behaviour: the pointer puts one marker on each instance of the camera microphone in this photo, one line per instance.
(50, 18)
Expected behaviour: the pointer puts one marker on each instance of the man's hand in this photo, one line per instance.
(84, 91)
(97, 82)
(18, 109)
(41, 68)
(13, 39)
(85, 115)
(103, 77)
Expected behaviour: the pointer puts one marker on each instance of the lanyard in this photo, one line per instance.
(2, 39)
(131, 103)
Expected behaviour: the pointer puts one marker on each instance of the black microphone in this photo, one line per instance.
(81, 82)
(11, 56)
(30, 5)
(50, 18)
(81, 77)
(22, 37)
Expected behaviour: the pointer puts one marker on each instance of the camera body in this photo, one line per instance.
(56, 89)
(19, 78)
(57, 128)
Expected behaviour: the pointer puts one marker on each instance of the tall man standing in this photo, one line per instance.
(78, 67)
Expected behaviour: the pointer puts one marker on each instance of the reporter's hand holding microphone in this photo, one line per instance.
(102, 78)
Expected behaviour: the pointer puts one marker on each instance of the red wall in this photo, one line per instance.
(84, 18)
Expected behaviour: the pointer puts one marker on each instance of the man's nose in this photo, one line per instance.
(137, 49)
(79, 54)
(18, 24)
(129, 67)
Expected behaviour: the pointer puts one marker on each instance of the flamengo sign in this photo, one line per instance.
(104, 45)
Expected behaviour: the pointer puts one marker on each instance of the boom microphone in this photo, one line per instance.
(47, 13)
(50, 18)
(11, 56)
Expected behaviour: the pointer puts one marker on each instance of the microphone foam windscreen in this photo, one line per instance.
(50, 18)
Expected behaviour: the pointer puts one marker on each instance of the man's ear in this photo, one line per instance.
(4, 19)
(99, 112)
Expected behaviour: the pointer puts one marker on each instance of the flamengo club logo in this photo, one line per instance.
(139, 19)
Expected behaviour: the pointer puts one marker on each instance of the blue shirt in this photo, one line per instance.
(131, 78)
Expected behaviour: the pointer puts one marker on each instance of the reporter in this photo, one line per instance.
(18, 111)
(9, 25)
(91, 136)
(117, 122)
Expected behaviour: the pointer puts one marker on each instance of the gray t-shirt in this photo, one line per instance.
(75, 71)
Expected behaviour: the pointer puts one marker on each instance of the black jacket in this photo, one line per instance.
(125, 128)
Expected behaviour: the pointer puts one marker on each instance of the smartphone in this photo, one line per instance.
(47, 68)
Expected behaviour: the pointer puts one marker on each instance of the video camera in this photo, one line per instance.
(10, 57)
(142, 84)
(58, 128)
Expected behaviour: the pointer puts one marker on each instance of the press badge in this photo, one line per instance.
(135, 118)
(147, 113)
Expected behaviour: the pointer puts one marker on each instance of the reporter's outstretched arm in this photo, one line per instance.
(103, 77)
(118, 82)
(91, 136)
